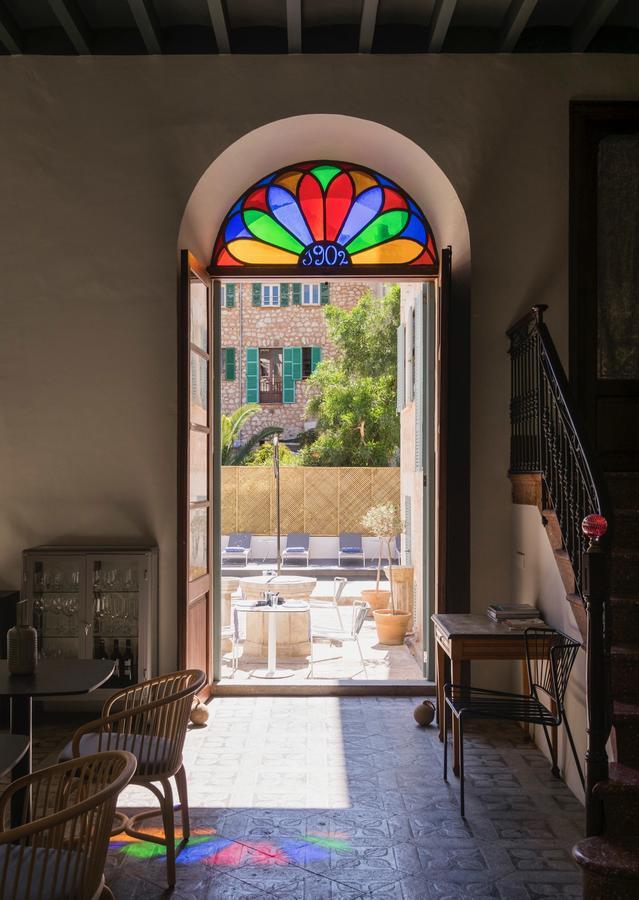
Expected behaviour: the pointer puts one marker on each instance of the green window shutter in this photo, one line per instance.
(316, 356)
(257, 294)
(229, 364)
(288, 379)
(230, 296)
(297, 295)
(324, 293)
(252, 375)
(297, 363)
(284, 289)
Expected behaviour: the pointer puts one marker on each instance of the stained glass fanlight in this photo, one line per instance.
(324, 216)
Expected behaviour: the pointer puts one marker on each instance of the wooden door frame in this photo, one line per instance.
(452, 449)
(590, 120)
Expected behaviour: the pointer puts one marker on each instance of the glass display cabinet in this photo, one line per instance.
(96, 603)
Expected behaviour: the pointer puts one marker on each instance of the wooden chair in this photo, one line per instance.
(550, 656)
(149, 720)
(60, 852)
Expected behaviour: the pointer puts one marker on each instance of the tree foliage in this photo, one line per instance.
(231, 427)
(353, 395)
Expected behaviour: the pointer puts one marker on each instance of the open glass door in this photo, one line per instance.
(195, 466)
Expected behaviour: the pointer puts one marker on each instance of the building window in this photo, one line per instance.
(310, 358)
(270, 295)
(311, 294)
(227, 296)
(270, 374)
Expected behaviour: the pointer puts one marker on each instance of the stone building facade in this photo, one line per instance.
(273, 336)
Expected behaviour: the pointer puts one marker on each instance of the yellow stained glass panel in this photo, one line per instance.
(257, 254)
(398, 251)
(362, 181)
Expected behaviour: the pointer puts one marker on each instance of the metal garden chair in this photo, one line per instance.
(338, 637)
(550, 656)
(149, 720)
(60, 850)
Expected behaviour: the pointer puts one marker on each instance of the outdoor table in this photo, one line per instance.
(52, 678)
(272, 612)
(292, 631)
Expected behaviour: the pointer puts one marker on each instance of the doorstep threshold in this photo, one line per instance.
(323, 687)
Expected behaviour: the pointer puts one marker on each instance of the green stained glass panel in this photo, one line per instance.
(325, 174)
(267, 229)
(384, 227)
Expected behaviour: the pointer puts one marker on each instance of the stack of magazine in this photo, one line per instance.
(517, 617)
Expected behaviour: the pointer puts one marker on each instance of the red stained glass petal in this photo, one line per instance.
(338, 201)
(312, 205)
(425, 259)
(257, 200)
(392, 200)
(225, 259)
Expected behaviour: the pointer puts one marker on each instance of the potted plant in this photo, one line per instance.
(384, 522)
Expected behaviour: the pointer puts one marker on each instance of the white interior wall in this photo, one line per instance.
(98, 159)
(536, 580)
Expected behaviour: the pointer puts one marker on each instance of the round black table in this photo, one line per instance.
(52, 678)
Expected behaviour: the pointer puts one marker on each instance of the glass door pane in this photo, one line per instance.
(56, 588)
(116, 583)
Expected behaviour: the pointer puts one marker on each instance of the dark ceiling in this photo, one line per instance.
(72, 27)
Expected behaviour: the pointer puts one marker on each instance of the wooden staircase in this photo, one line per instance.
(551, 458)
(610, 860)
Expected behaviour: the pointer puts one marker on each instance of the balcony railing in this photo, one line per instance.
(270, 390)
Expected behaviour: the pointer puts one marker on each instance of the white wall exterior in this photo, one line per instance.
(98, 159)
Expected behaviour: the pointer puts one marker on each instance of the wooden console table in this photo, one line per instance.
(462, 637)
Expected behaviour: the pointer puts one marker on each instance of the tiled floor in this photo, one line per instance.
(336, 662)
(324, 798)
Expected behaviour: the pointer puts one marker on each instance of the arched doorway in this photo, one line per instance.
(214, 219)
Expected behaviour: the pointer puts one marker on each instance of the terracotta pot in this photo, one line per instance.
(376, 599)
(199, 712)
(391, 626)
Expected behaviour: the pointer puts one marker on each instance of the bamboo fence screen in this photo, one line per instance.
(319, 501)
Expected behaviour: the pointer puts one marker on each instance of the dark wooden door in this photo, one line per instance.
(195, 466)
(604, 277)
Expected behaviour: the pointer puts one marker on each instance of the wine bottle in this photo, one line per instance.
(101, 654)
(127, 662)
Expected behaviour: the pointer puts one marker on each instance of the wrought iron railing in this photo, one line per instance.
(547, 438)
(270, 389)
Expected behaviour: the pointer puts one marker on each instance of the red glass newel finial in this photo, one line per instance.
(594, 526)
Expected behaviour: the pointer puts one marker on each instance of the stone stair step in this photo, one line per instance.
(625, 718)
(627, 528)
(624, 664)
(620, 795)
(610, 867)
(565, 570)
(625, 573)
(624, 489)
(625, 618)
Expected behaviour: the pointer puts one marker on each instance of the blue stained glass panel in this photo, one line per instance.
(287, 212)
(365, 208)
(236, 229)
(415, 230)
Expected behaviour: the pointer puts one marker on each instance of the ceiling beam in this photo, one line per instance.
(10, 35)
(515, 20)
(148, 25)
(367, 25)
(294, 25)
(75, 25)
(217, 12)
(440, 20)
(589, 21)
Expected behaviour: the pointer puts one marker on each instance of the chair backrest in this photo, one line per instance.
(62, 848)
(149, 720)
(240, 539)
(360, 611)
(298, 539)
(338, 587)
(550, 656)
(351, 540)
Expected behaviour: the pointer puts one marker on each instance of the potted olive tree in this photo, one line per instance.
(384, 522)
